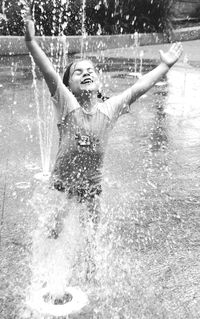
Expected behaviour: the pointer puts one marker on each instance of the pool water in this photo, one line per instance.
(147, 247)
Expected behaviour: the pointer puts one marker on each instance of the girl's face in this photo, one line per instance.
(83, 78)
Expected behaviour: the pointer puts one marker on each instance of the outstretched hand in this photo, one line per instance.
(30, 30)
(170, 57)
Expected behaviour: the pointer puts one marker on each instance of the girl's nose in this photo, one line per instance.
(86, 73)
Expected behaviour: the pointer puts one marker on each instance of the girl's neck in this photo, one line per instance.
(87, 101)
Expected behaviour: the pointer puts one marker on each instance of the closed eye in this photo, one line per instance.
(77, 71)
(91, 70)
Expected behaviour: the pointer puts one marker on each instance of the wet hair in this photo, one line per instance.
(67, 74)
(66, 81)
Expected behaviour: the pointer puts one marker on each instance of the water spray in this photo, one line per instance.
(83, 30)
(141, 61)
(45, 117)
(185, 61)
(136, 44)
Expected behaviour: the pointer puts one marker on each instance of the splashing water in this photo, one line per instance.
(56, 254)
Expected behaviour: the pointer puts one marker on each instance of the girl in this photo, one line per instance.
(85, 120)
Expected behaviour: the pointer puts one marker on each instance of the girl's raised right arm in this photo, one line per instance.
(50, 75)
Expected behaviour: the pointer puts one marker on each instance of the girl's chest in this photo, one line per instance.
(94, 124)
(86, 132)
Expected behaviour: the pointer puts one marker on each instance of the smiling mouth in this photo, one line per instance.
(86, 81)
